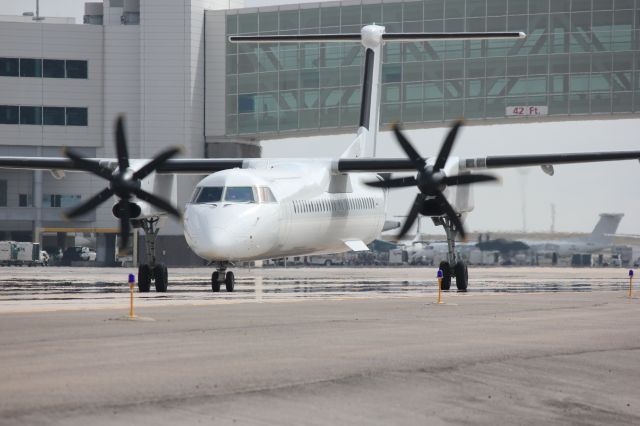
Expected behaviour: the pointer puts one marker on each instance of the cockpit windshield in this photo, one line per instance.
(208, 194)
(239, 194)
(233, 194)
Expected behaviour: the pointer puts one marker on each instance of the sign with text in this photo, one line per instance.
(527, 111)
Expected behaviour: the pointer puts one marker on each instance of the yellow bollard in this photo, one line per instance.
(439, 287)
(132, 280)
(630, 283)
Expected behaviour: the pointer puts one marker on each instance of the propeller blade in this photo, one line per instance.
(413, 214)
(121, 145)
(408, 148)
(88, 165)
(393, 183)
(467, 179)
(125, 226)
(451, 213)
(445, 150)
(156, 201)
(160, 159)
(90, 204)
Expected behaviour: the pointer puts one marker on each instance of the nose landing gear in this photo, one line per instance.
(222, 275)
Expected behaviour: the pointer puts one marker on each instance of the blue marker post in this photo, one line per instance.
(630, 282)
(132, 281)
(439, 286)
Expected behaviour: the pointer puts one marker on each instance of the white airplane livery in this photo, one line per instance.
(254, 209)
(256, 213)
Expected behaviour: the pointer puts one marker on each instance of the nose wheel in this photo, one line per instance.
(222, 276)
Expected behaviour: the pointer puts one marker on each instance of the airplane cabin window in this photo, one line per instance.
(208, 194)
(239, 194)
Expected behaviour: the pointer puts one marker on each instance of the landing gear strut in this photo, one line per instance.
(151, 271)
(454, 266)
(222, 275)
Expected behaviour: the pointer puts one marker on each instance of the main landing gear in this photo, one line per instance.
(151, 271)
(222, 275)
(453, 267)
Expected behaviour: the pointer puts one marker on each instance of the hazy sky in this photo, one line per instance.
(579, 192)
(63, 8)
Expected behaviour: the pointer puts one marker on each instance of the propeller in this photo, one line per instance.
(122, 183)
(431, 181)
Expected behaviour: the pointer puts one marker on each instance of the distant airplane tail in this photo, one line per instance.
(605, 229)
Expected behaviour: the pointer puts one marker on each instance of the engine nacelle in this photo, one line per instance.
(135, 210)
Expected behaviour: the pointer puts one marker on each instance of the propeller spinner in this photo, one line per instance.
(122, 183)
(431, 180)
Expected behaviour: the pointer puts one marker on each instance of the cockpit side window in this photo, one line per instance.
(208, 194)
(239, 194)
(195, 194)
(265, 195)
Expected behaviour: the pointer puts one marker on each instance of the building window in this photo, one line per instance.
(59, 200)
(24, 200)
(246, 103)
(9, 67)
(77, 117)
(49, 115)
(53, 116)
(30, 115)
(50, 68)
(3, 193)
(76, 69)
(8, 114)
(53, 68)
(30, 67)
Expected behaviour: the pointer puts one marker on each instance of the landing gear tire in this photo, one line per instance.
(144, 278)
(462, 276)
(215, 282)
(229, 281)
(446, 275)
(161, 276)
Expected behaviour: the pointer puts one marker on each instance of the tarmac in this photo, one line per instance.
(320, 346)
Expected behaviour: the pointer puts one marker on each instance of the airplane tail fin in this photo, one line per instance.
(605, 229)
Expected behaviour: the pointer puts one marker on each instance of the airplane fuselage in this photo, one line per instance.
(282, 208)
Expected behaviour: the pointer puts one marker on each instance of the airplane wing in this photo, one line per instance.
(182, 165)
(210, 165)
(491, 162)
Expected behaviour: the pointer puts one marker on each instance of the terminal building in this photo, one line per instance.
(168, 66)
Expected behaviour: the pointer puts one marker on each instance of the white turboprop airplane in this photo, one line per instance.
(252, 209)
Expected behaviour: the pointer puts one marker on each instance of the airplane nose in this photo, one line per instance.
(215, 243)
(218, 242)
(229, 233)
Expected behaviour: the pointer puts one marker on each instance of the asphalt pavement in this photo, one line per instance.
(390, 357)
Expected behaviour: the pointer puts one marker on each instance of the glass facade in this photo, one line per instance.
(580, 57)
